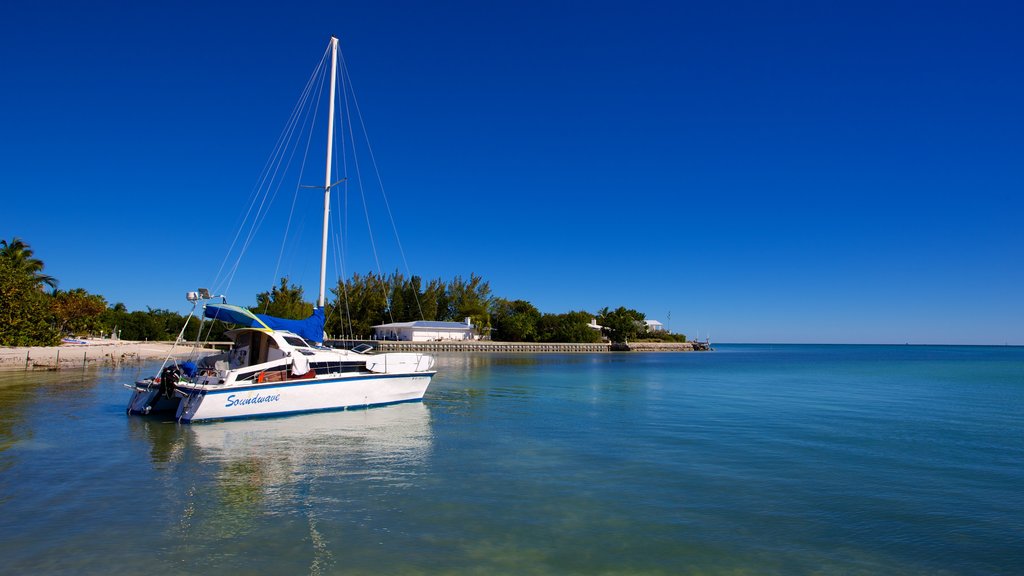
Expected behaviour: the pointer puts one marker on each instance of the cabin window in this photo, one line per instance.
(258, 354)
(274, 351)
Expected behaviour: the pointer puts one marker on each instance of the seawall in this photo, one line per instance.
(478, 346)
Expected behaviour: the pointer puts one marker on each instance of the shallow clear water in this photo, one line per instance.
(748, 460)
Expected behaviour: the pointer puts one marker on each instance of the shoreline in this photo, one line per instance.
(91, 352)
(102, 352)
(489, 346)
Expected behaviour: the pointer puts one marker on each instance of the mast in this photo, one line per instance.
(327, 178)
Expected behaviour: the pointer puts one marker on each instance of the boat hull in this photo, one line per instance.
(291, 397)
(149, 399)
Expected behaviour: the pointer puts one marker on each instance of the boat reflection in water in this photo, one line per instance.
(222, 480)
(400, 432)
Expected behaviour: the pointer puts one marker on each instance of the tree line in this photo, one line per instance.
(35, 312)
(364, 301)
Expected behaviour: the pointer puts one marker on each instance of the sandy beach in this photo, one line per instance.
(93, 351)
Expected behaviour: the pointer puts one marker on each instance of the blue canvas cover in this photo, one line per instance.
(311, 328)
(233, 315)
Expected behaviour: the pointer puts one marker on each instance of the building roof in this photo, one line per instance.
(433, 325)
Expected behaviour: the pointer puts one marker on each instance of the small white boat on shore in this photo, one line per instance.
(278, 366)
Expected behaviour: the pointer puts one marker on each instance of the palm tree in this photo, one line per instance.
(20, 256)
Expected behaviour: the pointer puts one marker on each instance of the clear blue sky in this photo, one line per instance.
(766, 171)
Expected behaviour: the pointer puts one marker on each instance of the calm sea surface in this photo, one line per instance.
(747, 460)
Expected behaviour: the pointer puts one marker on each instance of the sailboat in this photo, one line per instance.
(278, 366)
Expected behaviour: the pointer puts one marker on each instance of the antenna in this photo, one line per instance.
(203, 294)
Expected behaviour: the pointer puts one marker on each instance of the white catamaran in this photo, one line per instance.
(277, 366)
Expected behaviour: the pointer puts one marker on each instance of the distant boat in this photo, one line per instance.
(277, 366)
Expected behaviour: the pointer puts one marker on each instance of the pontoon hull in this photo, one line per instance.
(291, 397)
(151, 400)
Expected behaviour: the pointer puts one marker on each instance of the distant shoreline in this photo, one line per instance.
(541, 347)
(104, 352)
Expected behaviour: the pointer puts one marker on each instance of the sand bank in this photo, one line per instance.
(88, 353)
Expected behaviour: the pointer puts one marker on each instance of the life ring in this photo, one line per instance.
(259, 379)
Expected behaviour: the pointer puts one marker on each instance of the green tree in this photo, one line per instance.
(139, 325)
(151, 324)
(114, 318)
(514, 321)
(362, 302)
(212, 332)
(26, 318)
(467, 298)
(572, 327)
(411, 299)
(622, 324)
(169, 323)
(401, 301)
(359, 304)
(77, 311)
(430, 299)
(18, 254)
(284, 301)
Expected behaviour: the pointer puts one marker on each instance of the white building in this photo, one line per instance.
(425, 331)
(654, 326)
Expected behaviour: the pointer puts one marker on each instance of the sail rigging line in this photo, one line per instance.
(209, 331)
(341, 214)
(366, 210)
(279, 167)
(199, 333)
(283, 138)
(267, 174)
(343, 236)
(268, 191)
(180, 337)
(339, 255)
(272, 189)
(380, 182)
(298, 187)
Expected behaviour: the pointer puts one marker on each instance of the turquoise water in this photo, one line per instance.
(747, 460)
